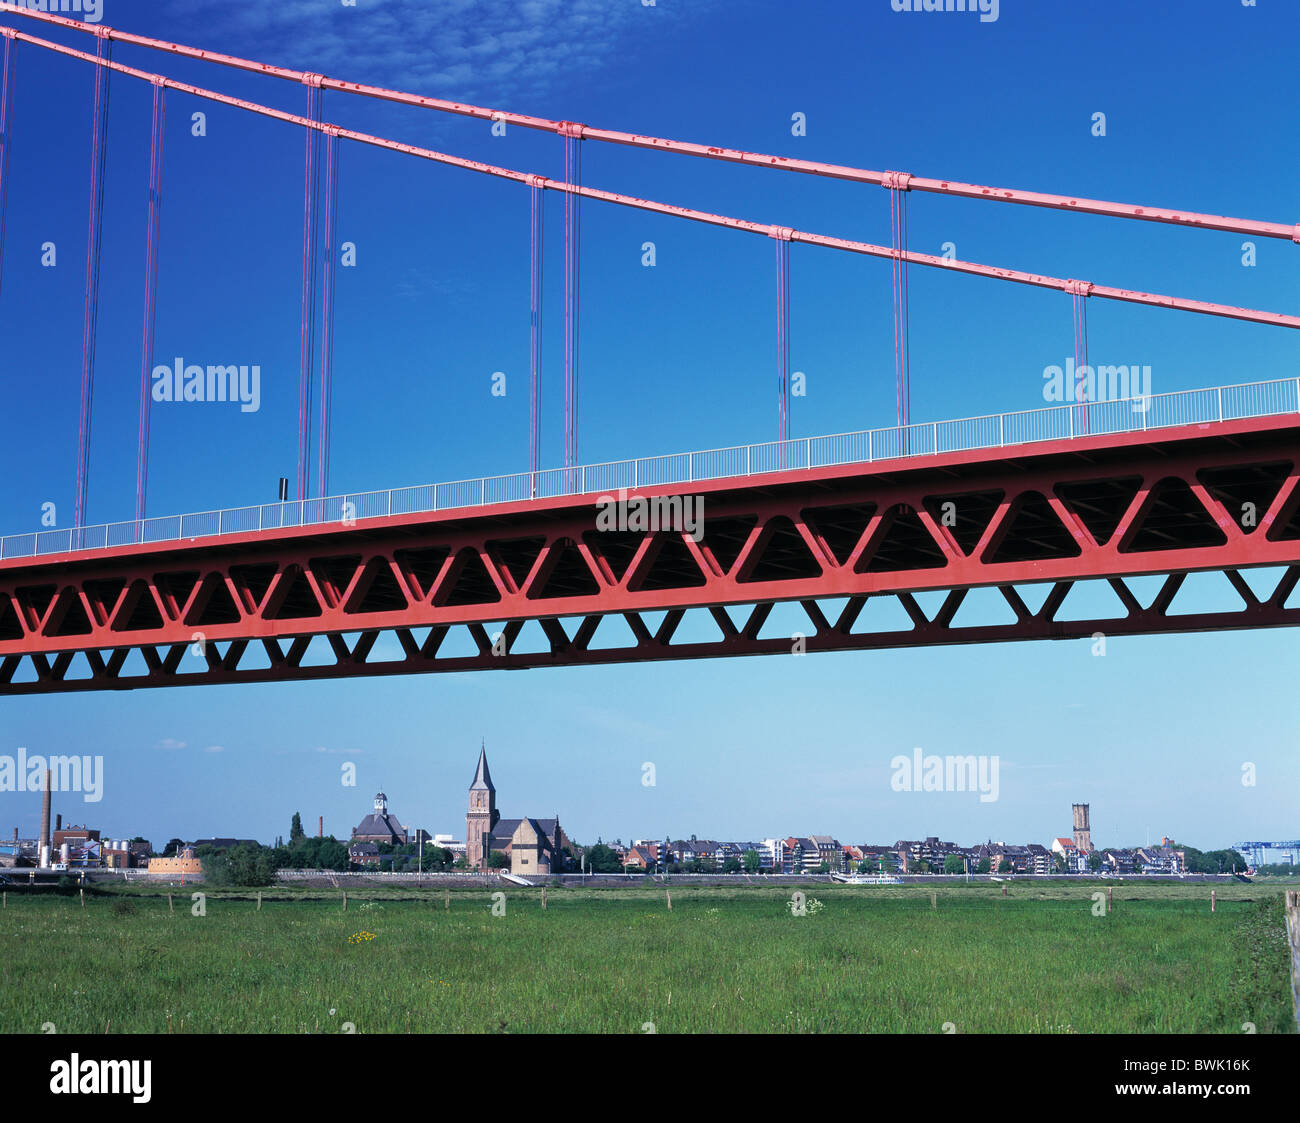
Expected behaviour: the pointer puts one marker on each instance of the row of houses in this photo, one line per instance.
(822, 854)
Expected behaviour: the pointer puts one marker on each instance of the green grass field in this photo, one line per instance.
(618, 961)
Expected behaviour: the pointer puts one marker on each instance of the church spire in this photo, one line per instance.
(482, 777)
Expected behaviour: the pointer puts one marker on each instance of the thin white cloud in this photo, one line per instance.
(461, 49)
(169, 744)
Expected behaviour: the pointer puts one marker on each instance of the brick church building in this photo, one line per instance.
(534, 846)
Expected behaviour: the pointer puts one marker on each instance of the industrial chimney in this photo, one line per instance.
(58, 822)
(320, 828)
(45, 813)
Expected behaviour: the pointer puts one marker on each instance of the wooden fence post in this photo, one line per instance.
(170, 907)
(259, 900)
(543, 897)
(446, 900)
(934, 899)
(1293, 934)
(669, 894)
(345, 902)
(1110, 897)
(1212, 900)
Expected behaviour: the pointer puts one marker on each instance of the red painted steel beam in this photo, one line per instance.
(1253, 227)
(1222, 497)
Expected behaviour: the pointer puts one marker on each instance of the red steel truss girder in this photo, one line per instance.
(1031, 514)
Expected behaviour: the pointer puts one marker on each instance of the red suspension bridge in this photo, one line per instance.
(1165, 485)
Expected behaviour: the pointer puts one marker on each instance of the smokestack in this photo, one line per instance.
(58, 822)
(284, 489)
(320, 828)
(45, 813)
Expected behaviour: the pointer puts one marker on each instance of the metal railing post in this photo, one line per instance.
(690, 467)
(1220, 403)
(482, 492)
(1001, 435)
(807, 451)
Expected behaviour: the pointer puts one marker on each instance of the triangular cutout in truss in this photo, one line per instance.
(1091, 600)
(138, 613)
(981, 608)
(422, 567)
(1034, 533)
(905, 545)
(294, 599)
(1246, 491)
(1263, 581)
(459, 643)
(1099, 504)
(468, 582)
(35, 600)
(725, 538)
(786, 620)
(1205, 591)
(377, 589)
(569, 575)
(616, 547)
(333, 575)
(697, 626)
(252, 582)
(517, 556)
(883, 613)
(1175, 519)
(531, 640)
(69, 616)
(672, 566)
(781, 554)
(612, 633)
(841, 528)
(965, 516)
(174, 589)
(102, 595)
(213, 605)
(1034, 595)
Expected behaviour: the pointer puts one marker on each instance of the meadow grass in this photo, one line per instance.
(870, 959)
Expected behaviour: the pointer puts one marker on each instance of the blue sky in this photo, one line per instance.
(1201, 103)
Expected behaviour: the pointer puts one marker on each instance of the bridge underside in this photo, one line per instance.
(384, 596)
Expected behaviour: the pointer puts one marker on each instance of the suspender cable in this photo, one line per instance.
(897, 183)
(158, 130)
(782, 237)
(327, 308)
(90, 318)
(1078, 291)
(572, 230)
(310, 249)
(536, 215)
(6, 138)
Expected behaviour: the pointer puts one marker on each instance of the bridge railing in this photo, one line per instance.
(997, 430)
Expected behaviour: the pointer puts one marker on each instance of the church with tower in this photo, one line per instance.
(531, 846)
